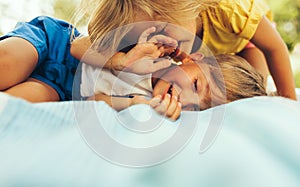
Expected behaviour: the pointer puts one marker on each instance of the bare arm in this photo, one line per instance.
(270, 42)
(166, 106)
(79, 47)
(81, 50)
(142, 59)
(117, 103)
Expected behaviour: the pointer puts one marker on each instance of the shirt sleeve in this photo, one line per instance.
(244, 16)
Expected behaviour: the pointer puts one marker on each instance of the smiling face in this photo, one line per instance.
(193, 84)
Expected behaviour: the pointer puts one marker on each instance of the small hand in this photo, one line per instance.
(167, 106)
(145, 57)
(157, 39)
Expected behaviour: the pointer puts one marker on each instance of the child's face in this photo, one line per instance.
(191, 83)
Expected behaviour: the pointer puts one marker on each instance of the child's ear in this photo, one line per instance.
(187, 60)
(192, 58)
(197, 56)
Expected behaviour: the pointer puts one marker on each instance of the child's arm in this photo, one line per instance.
(117, 103)
(140, 60)
(81, 50)
(270, 42)
(167, 106)
(80, 46)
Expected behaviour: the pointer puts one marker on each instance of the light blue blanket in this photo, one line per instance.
(252, 142)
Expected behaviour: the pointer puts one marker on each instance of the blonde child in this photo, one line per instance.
(38, 64)
(45, 68)
(225, 26)
(191, 86)
(198, 83)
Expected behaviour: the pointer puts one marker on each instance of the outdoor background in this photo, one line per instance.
(286, 15)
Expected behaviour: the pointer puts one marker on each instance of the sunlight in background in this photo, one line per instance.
(22, 10)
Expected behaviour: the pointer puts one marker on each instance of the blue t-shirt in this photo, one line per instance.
(52, 39)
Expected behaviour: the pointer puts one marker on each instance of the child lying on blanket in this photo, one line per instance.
(44, 65)
(194, 85)
(199, 83)
(39, 58)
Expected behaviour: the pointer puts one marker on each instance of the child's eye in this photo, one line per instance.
(191, 108)
(195, 85)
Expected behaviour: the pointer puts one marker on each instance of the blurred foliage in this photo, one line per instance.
(66, 10)
(297, 79)
(287, 18)
(286, 15)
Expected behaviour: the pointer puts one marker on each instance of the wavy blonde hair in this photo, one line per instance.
(108, 15)
(235, 77)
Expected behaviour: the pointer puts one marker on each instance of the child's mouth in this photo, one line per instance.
(170, 90)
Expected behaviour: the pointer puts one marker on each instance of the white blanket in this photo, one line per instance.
(52, 144)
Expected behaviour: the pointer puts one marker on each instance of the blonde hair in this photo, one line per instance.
(236, 78)
(106, 16)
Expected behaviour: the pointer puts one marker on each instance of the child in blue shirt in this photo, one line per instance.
(36, 63)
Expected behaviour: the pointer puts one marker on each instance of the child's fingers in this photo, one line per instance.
(164, 40)
(177, 112)
(155, 101)
(164, 104)
(167, 50)
(172, 106)
(144, 36)
(161, 64)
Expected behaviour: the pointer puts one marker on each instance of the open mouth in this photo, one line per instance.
(169, 90)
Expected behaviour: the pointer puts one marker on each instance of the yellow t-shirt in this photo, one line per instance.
(228, 27)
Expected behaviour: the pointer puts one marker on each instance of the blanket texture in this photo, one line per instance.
(251, 142)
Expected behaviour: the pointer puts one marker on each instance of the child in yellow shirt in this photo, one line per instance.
(224, 26)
